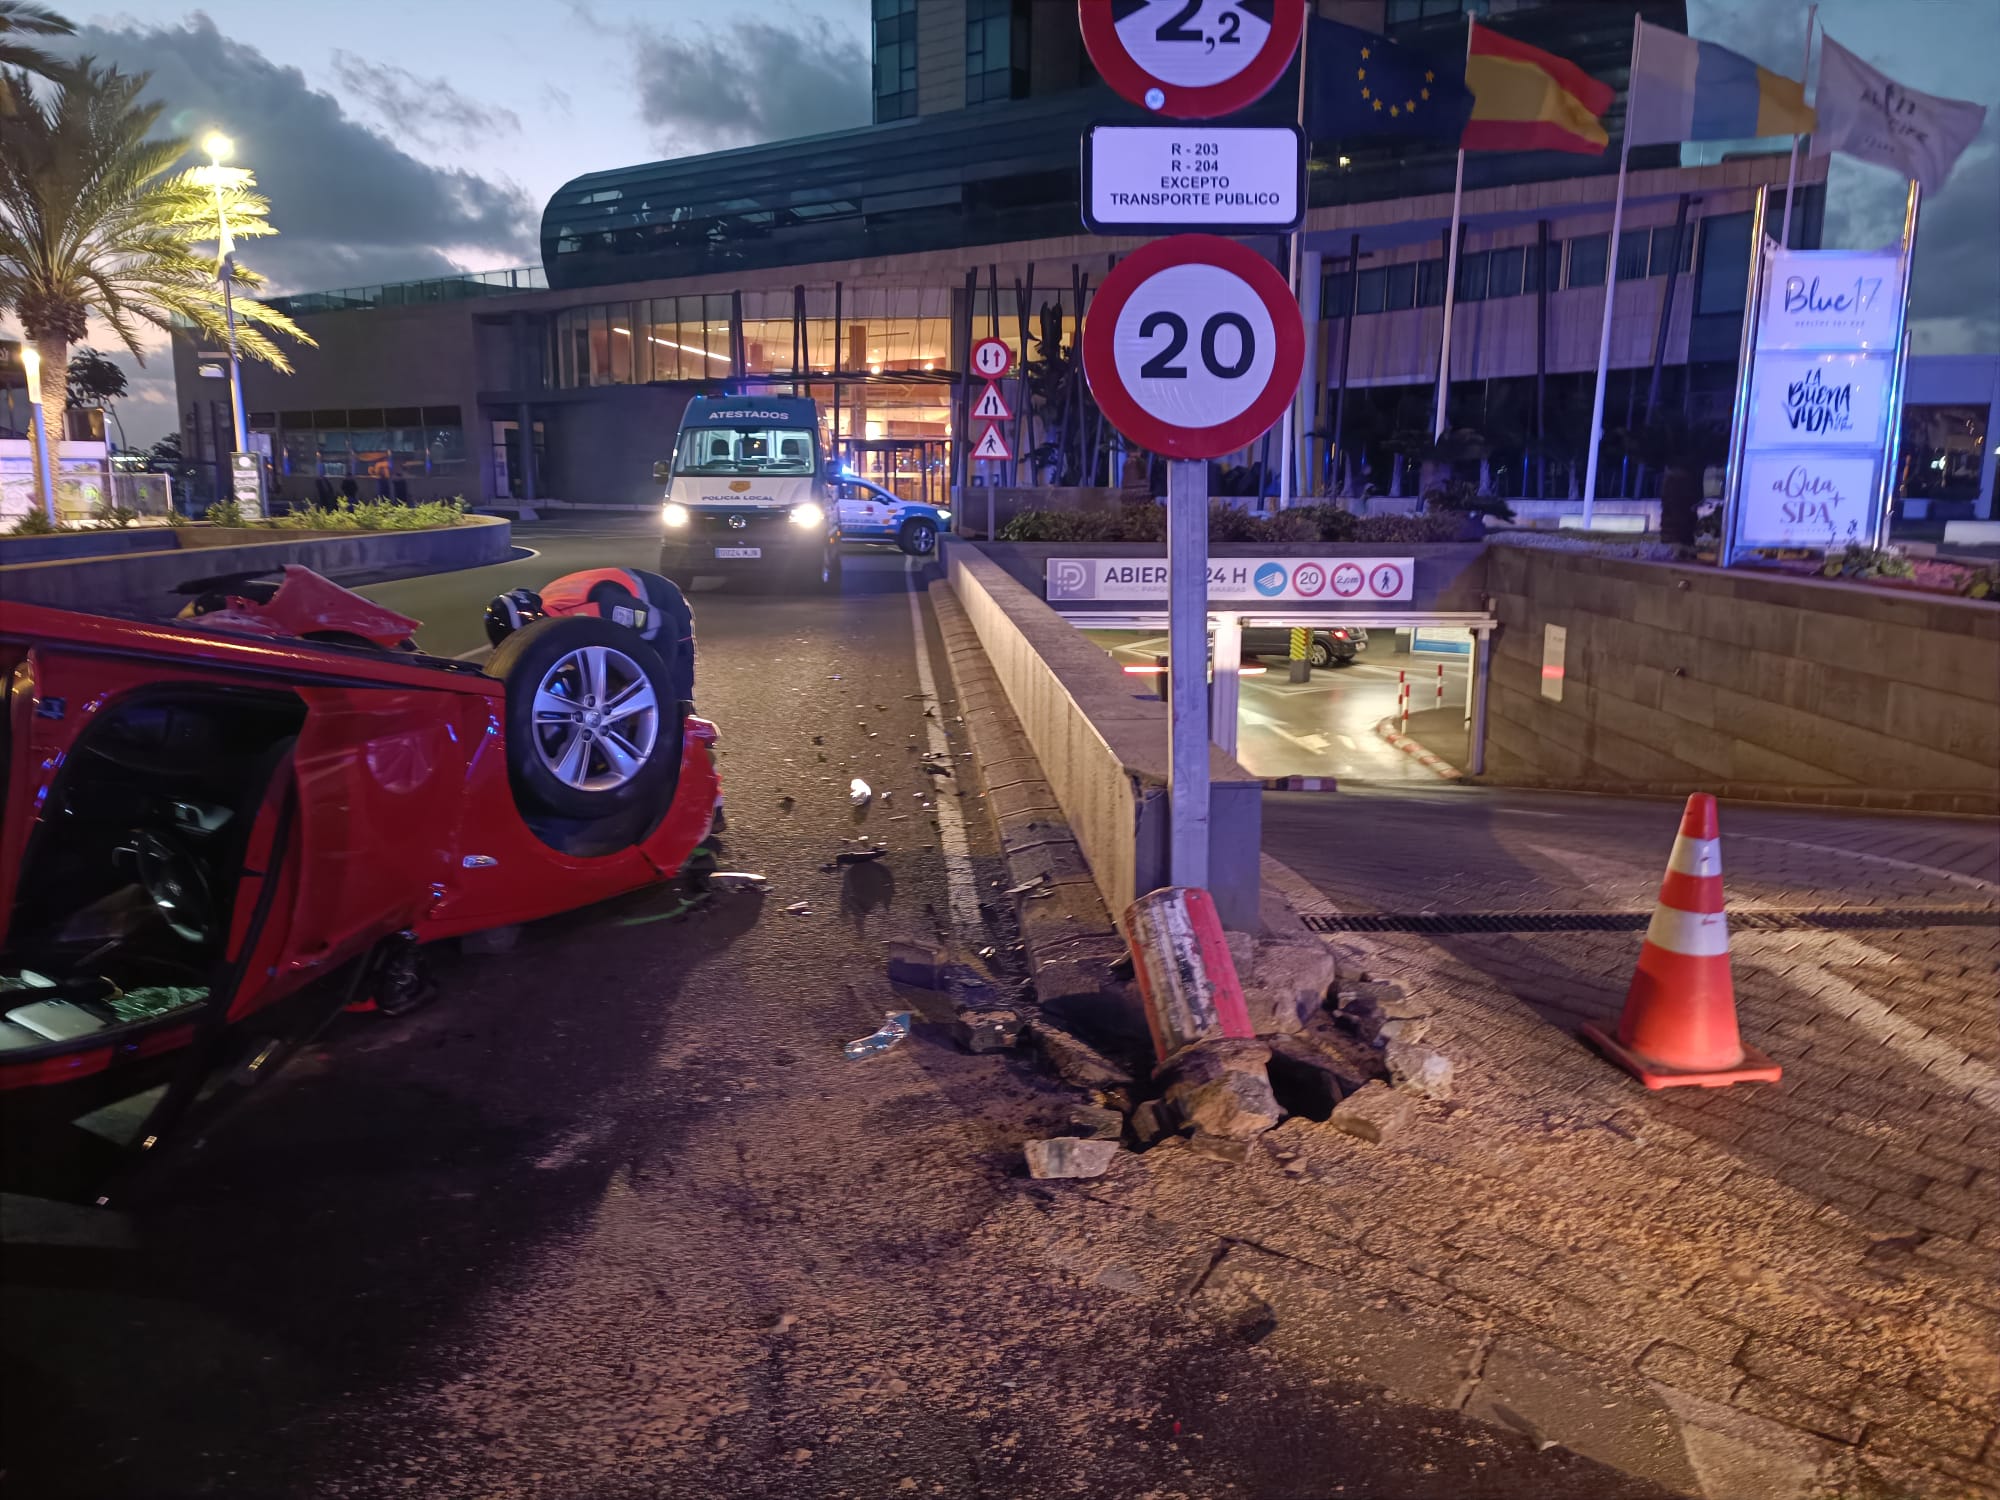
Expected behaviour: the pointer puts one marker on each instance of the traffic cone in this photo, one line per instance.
(1679, 1023)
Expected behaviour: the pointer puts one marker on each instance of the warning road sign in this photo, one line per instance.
(991, 406)
(1194, 346)
(1193, 59)
(991, 445)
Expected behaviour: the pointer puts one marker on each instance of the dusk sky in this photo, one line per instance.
(399, 140)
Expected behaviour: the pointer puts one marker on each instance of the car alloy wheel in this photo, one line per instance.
(596, 719)
(919, 538)
(1321, 654)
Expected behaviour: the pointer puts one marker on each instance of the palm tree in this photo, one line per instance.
(96, 221)
(19, 19)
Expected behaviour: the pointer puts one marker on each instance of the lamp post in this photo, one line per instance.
(219, 146)
(31, 366)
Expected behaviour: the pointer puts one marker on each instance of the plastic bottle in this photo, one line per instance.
(895, 1026)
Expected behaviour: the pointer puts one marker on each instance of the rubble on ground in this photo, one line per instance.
(1075, 1059)
(1221, 1088)
(1285, 978)
(987, 1030)
(1373, 1113)
(1069, 1156)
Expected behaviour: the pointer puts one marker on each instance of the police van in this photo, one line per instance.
(747, 495)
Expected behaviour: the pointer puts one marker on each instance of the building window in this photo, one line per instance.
(1587, 255)
(1472, 277)
(1503, 274)
(1336, 294)
(1721, 281)
(1402, 288)
(1369, 289)
(1402, 12)
(1943, 449)
(1663, 249)
(1534, 275)
(1634, 249)
(1430, 283)
(996, 50)
(895, 59)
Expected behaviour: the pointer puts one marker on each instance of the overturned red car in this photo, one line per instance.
(220, 829)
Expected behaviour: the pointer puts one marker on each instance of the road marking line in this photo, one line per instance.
(1881, 859)
(951, 821)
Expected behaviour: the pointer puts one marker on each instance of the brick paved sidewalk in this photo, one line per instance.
(1776, 1292)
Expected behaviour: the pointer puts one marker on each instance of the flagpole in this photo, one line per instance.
(1451, 269)
(1792, 171)
(1288, 454)
(1610, 289)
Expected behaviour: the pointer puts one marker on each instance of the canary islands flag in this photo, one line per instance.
(1685, 90)
(1362, 84)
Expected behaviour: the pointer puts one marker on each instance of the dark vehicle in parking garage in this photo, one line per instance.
(1327, 646)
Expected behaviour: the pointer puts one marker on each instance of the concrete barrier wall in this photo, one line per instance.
(147, 580)
(1753, 685)
(1103, 744)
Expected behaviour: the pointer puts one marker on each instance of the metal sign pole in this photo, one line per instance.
(1187, 650)
(1746, 356)
(1892, 443)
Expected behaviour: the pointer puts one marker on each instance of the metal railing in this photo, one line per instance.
(412, 293)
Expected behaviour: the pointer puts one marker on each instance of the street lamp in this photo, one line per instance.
(219, 147)
(31, 366)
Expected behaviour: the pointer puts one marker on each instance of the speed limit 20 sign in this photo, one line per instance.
(1192, 59)
(1193, 347)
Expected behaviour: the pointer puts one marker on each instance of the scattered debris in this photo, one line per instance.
(987, 1030)
(1422, 1070)
(735, 880)
(989, 953)
(860, 856)
(859, 792)
(1373, 1113)
(799, 909)
(1067, 1156)
(491, 940)
(1220, 1087)
(1285, 978)
(1219, 1147)
(786, 804)
(819, 739)
(1152, 1121)
(895, 1026)
(1095, 1122)
(1076, 1060)
(1029, 886)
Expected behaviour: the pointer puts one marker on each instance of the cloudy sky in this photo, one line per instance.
(407, 138)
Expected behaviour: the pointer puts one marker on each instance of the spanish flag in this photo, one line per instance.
(1525, 99)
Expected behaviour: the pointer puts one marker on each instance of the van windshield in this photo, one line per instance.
(745, 450)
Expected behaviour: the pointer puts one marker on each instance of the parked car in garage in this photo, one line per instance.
(869, 513)
(1330, 646)
(218, 830)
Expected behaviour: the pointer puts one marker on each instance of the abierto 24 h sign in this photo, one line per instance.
(1275, 580)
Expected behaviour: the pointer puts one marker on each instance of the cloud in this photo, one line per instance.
(427, 110)
(749, 83)
(352, 208)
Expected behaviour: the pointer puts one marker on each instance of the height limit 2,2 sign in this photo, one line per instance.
(1193, 347)
(1192, 59)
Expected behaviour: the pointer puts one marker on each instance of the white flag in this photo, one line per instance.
(1866, 113)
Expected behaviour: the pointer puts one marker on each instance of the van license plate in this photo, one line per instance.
(739, 551)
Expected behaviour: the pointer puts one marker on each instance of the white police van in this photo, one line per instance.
(747, 495)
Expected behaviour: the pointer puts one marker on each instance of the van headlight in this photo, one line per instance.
(807, 513)
(674, 514)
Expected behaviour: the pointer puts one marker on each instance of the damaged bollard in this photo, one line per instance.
(895, 1026)
(1186, 975)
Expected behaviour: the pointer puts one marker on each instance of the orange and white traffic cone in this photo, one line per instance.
(1679, 1023)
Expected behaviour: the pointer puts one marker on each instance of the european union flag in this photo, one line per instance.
(1360, 84)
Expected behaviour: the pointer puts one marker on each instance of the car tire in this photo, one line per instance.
(588, 767)
(918, 537)
(1320, 654)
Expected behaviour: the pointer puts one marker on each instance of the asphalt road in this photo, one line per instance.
(614, 1218)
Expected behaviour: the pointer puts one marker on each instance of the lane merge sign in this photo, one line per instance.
(991, 405)
(991, 358)
(1159, 179)
(1194, 346)
(1192, 59)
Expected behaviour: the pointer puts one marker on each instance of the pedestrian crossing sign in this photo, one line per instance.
(991, 445)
